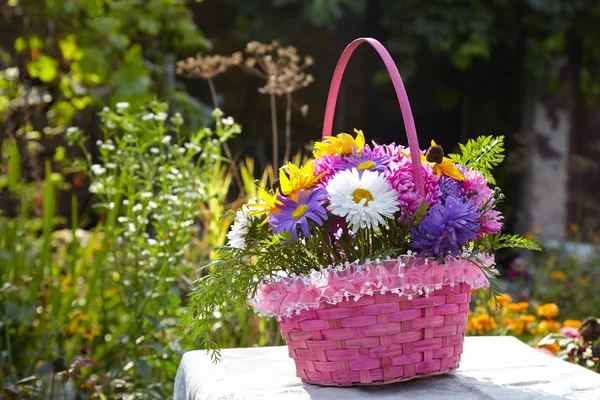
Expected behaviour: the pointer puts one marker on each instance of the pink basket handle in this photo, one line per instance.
(409, 122)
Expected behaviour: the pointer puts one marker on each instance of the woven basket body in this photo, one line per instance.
(379, 339)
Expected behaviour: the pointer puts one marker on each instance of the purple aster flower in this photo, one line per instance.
(449, 187)
(447, 227)
(367, 161)
(297, 213)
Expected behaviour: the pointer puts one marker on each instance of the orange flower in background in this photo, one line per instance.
(527, 318)
(524, 305)
(513, 307)
(503, 299)
(482, 323)
(549, 311)
(571, 323)
(558, 276)
(549, 326)
(553, 348)
(514, 324)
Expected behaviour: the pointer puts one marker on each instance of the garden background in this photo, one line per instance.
(121, 150)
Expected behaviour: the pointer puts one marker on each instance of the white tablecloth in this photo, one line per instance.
(491, 368)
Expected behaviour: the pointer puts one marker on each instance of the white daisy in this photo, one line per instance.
(239, 229)
(363, 199)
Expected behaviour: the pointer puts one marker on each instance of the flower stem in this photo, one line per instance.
(215, 100)
(275, 136)
(288, 127)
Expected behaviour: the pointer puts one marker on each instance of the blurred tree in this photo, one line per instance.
(82, 54)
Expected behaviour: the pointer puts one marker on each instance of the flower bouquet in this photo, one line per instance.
(366, 254)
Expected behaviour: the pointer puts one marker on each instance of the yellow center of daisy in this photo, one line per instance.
(359, 194)
(300, 211)
(363, 166)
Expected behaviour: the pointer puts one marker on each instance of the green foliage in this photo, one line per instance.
(113, 294)
(562, 276)
(481, 154)
(100, 53)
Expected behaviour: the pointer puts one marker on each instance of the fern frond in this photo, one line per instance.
(481, 154)
(502, 241)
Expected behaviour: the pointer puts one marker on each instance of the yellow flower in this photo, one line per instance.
(440, 164)
(293, 179)
(340, 144)
(549, 310)
(267, 206)
(524, 305)
(571, 323)
(90, 333)
(558, 276)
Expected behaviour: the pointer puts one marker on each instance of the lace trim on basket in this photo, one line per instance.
(279, 296)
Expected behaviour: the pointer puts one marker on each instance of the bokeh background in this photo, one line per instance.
(78, 76)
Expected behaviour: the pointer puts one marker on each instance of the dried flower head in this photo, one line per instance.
(207, 67)
(282, 68)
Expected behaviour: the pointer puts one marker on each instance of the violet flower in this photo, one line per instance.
(447, 227)
(367, 161)
(294, 214)
(449, 188)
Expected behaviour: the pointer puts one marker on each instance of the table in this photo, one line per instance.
(491, 368)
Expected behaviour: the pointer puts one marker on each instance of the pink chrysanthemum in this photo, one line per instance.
(330, 164)
(476, 188)
(401, 179)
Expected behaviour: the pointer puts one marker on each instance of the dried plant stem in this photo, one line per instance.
(288, 127)
(275, 136)
(215, 100)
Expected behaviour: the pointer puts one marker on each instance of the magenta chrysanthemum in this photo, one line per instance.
(476, 188)
(401, 179)
(330, 164)
(391, 150)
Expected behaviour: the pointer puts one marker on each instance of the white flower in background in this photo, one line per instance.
(97, 169)
(364, 200)
(154, 150)
(239, 229)
(166, 139)
(148, 117)
(96, 187)
(161, 116)
(123, 105)
(227, 121)
(11, 73)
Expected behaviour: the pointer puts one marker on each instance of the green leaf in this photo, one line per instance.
(69, 49)
(149, 25)
(20, 45)
(44, 67)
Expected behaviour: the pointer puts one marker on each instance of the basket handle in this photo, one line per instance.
(409, 122)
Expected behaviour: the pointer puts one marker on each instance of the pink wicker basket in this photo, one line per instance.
(379, 339)
(376, 337)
